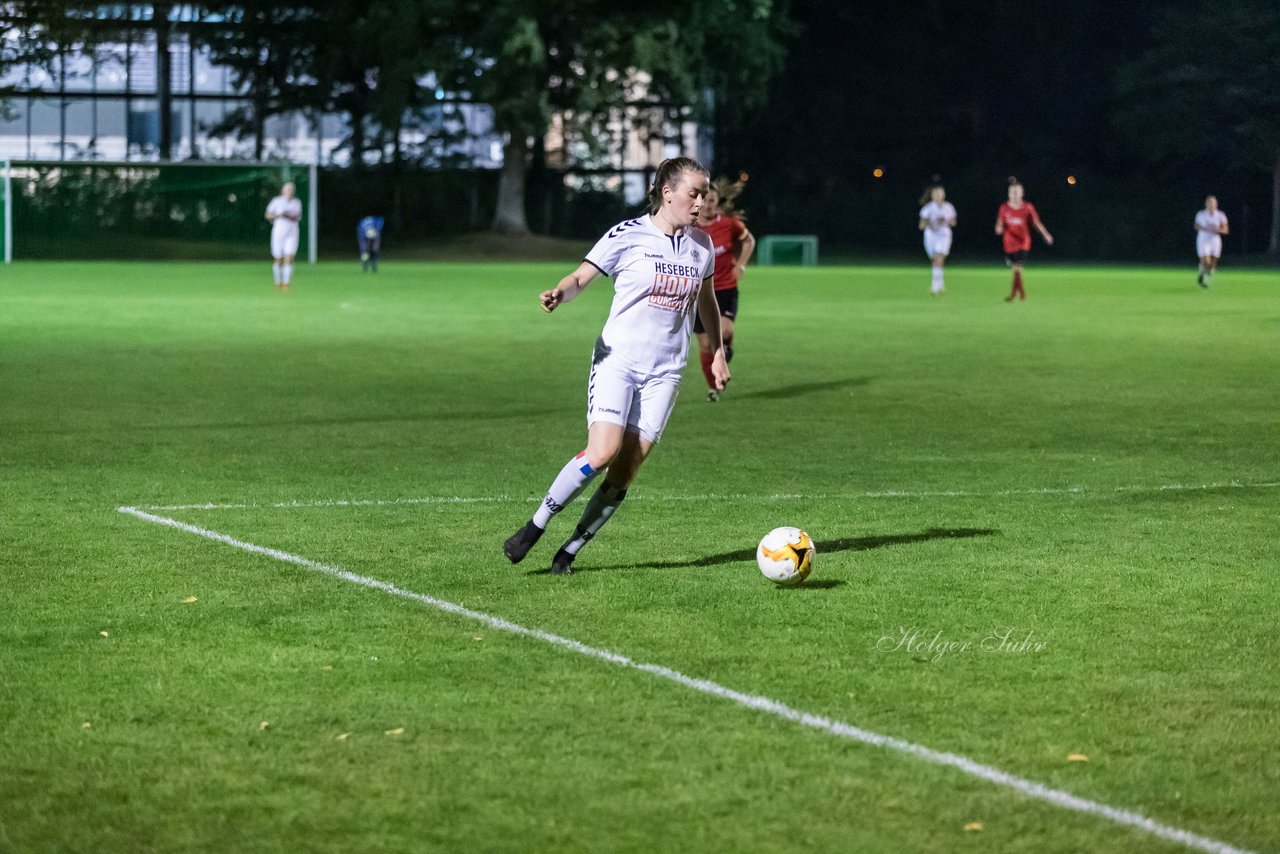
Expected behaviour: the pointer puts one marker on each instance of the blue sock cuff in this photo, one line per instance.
(585, 468)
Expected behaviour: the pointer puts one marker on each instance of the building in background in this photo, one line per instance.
(104, 104)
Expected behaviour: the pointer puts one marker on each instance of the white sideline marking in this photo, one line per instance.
(1030, 788)
(334, 502)
(503, 499)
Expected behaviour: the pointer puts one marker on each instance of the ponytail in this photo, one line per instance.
(728, 191)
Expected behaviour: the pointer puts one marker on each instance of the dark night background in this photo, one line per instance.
(1150, 104)
(974, 92)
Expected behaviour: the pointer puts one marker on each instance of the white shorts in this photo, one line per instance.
(936, 244)
(284, 243)
(639, 402)
(1208, 245)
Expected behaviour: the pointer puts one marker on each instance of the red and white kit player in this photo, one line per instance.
(661, 267)
(734, 245)
(1014, 221)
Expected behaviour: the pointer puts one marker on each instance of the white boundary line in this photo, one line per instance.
(504, 499)
(1030, 788)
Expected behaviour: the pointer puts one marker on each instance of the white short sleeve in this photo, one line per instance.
(607, 254)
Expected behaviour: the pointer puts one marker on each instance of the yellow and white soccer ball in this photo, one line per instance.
(785, 556)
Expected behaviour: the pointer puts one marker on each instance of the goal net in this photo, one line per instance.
(171, 211)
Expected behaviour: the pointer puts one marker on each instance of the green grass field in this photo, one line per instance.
(1098, 469)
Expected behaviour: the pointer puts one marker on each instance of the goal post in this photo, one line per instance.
(774, 247)
(193, 210)
(8, 213)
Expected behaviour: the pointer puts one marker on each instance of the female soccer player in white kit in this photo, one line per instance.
(1211, 224)
(937, 218)
(662, 268)
(284, 212)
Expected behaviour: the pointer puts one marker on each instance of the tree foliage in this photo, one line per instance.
(588, 59)
(383, 63)
(1182, 100)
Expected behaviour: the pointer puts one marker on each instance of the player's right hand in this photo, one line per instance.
(550, 299)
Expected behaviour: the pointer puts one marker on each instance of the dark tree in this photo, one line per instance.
(586, 58)
(273, 51)
(1209, 87)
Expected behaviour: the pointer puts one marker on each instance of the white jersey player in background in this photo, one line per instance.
(662, 268)
(1211, 224)
(937, 218)
(284, 212)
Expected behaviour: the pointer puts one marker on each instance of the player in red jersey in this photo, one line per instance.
(733, 244)
(1013, 222)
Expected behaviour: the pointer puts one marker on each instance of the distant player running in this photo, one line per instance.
(734, 245)
(284, 212)
(937, 218)
(1014, 221)
(662, 269)
(1211, 225)
(369, 242)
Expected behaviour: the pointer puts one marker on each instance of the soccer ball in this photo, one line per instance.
(371, 233)
(785, 556)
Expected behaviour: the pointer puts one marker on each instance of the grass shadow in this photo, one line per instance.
(801, 389)
(845, 544)
(814, 584)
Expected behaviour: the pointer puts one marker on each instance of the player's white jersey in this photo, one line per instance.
(938, 217)
(1208, 238)
(1210, 222)
(656, 279)
(279, 207)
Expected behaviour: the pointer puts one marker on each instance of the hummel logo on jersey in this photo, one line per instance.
(651, 255)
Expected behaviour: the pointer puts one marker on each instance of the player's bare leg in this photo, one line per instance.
(726, 337)
(1018, 290)
(1210, 267)
(706, 355)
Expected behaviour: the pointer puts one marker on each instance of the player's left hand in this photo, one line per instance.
(550, 299)
(720, 369)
